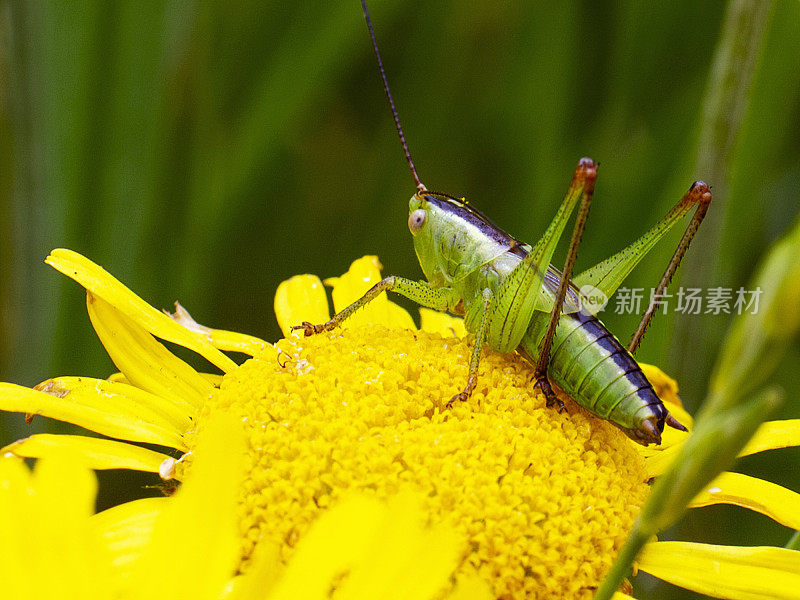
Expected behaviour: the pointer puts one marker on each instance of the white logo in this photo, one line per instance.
(593, 300)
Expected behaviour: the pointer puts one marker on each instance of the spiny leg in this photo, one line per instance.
(418, 291)
(474, 362)
(698, 194)
(605, 277)
(540, 372)
(520, 294)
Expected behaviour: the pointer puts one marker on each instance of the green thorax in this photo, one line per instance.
(458, 247)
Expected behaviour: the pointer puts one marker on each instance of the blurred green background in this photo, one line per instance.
(206, 151)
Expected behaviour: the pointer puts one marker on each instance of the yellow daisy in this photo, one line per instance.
(53, 547)
(543, 501)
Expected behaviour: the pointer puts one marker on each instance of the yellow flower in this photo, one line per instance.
(53, 547)
(542, 500)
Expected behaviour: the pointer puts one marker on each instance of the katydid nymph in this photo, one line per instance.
(513, 300)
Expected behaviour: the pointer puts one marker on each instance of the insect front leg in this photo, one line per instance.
(480, 338)
(420, 292)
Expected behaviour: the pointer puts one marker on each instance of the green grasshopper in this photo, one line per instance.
(514, 300)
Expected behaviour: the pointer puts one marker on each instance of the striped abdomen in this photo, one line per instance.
(590, 365)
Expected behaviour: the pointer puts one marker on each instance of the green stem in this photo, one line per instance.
(622, 566)
(794, 542)
(713, 446)
(724, 108)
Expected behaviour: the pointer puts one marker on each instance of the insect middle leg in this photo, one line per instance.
(480, 338)
(419, 291)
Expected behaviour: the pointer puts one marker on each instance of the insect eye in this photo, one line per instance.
(416, 220)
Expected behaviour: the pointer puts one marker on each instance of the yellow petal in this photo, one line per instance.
(63, 502)
(363, 273)
(657, 459)
(233, 341)
(214, 379)
(672, 438)
(401, 545)
(733, 572)
(384, 547)
(124, 399)
(95, 453)
(335, 541)
(768, 498)
(677, 411)
(18, 551)
(230, 341)
(301, 298)
(103, 285)
(472, 587)
(125, 530)
(665, 386)
(262, 573)
(147, 364)
(16, 398)
(441, 323)
(47, 549)
(772, 435)
(398, 317)
(194, 549)
(360, 277)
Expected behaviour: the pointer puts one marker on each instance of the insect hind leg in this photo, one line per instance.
(551, 398)
(588, 170)
(699, 194)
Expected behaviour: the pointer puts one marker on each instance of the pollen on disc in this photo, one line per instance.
(543, 500)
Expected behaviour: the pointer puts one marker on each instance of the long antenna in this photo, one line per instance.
(420, 186)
